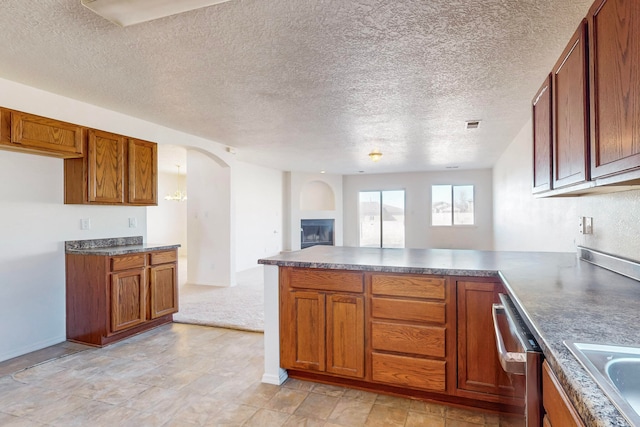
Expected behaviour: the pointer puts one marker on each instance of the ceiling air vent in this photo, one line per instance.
(472, 124)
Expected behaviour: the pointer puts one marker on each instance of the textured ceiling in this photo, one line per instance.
(307, 84)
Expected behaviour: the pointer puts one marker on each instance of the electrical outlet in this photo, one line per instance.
(85, 223)
(133, 222)
(585, 225)
(588, 225)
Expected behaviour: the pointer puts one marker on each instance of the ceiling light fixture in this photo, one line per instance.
(375, 155)
(130, 12)
(178, 195)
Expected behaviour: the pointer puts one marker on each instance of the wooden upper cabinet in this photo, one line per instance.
(106, 167)
(5, 127)
(614, 28)
(40, 135)
(116, 171)
(143, 177)
(542, 137)
(570, 113)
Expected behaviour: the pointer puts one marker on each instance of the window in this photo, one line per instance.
(452, 205)
(381, 219)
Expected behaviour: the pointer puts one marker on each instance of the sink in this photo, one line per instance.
(616, 370)
(625, 375)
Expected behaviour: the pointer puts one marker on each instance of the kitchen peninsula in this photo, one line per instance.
(559, 295)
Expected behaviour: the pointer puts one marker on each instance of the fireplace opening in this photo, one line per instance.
(316, 232)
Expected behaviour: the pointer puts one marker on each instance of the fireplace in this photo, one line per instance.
(316, 232)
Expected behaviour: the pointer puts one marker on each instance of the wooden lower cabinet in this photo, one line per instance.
(127, 299)
(480, 375)
(112, 297)
(559, 412)
(412, 331)
(321, 331)
(420, 336)
(345, 335)
(409, 371)
(163, 292)
(303, 331)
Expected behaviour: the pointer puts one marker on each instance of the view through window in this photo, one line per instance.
(382, 219)
(452, 205)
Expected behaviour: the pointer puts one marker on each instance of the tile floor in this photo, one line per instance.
(186, 375)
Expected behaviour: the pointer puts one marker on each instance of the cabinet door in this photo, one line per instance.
(542, 137)
(127, 299)
(571, 137)
(163, 290)
(302, 330)
(559, 409)
(615, 92)
(5, 127)
(143, 176)
(52, 137)
(479, 368)
(105, 167)
(345, 335)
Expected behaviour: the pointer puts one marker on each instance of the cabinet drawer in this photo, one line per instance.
(423, 340)
(126, 262)
(326, 280)
(163, 257)
(409, 371)
(411, 310)
(408, 286)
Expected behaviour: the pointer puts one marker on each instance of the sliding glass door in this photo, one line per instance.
(381, 219)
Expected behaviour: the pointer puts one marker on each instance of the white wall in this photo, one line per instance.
(418, 230)
(524, 223)
(34, 222)
(259, 221)
(210, 224)
(167, 222)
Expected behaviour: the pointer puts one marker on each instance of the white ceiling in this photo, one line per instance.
(307, 85)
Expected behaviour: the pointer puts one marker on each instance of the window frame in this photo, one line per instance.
(453, 223)
(404, 224)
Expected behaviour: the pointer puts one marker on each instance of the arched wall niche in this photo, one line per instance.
(317, 196)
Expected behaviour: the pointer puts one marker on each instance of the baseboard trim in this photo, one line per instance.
(275, 379)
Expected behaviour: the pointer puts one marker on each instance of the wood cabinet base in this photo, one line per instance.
(113, 297)
(101, 341)
(406, 392)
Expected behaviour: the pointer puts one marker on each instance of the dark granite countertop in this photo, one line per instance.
(113, 246)
(560, 296)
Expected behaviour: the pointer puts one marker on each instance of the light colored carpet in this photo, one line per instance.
(238, 307)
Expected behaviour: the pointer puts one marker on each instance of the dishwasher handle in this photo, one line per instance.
(511, 362)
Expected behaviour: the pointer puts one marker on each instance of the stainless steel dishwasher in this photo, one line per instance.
(519, 354)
